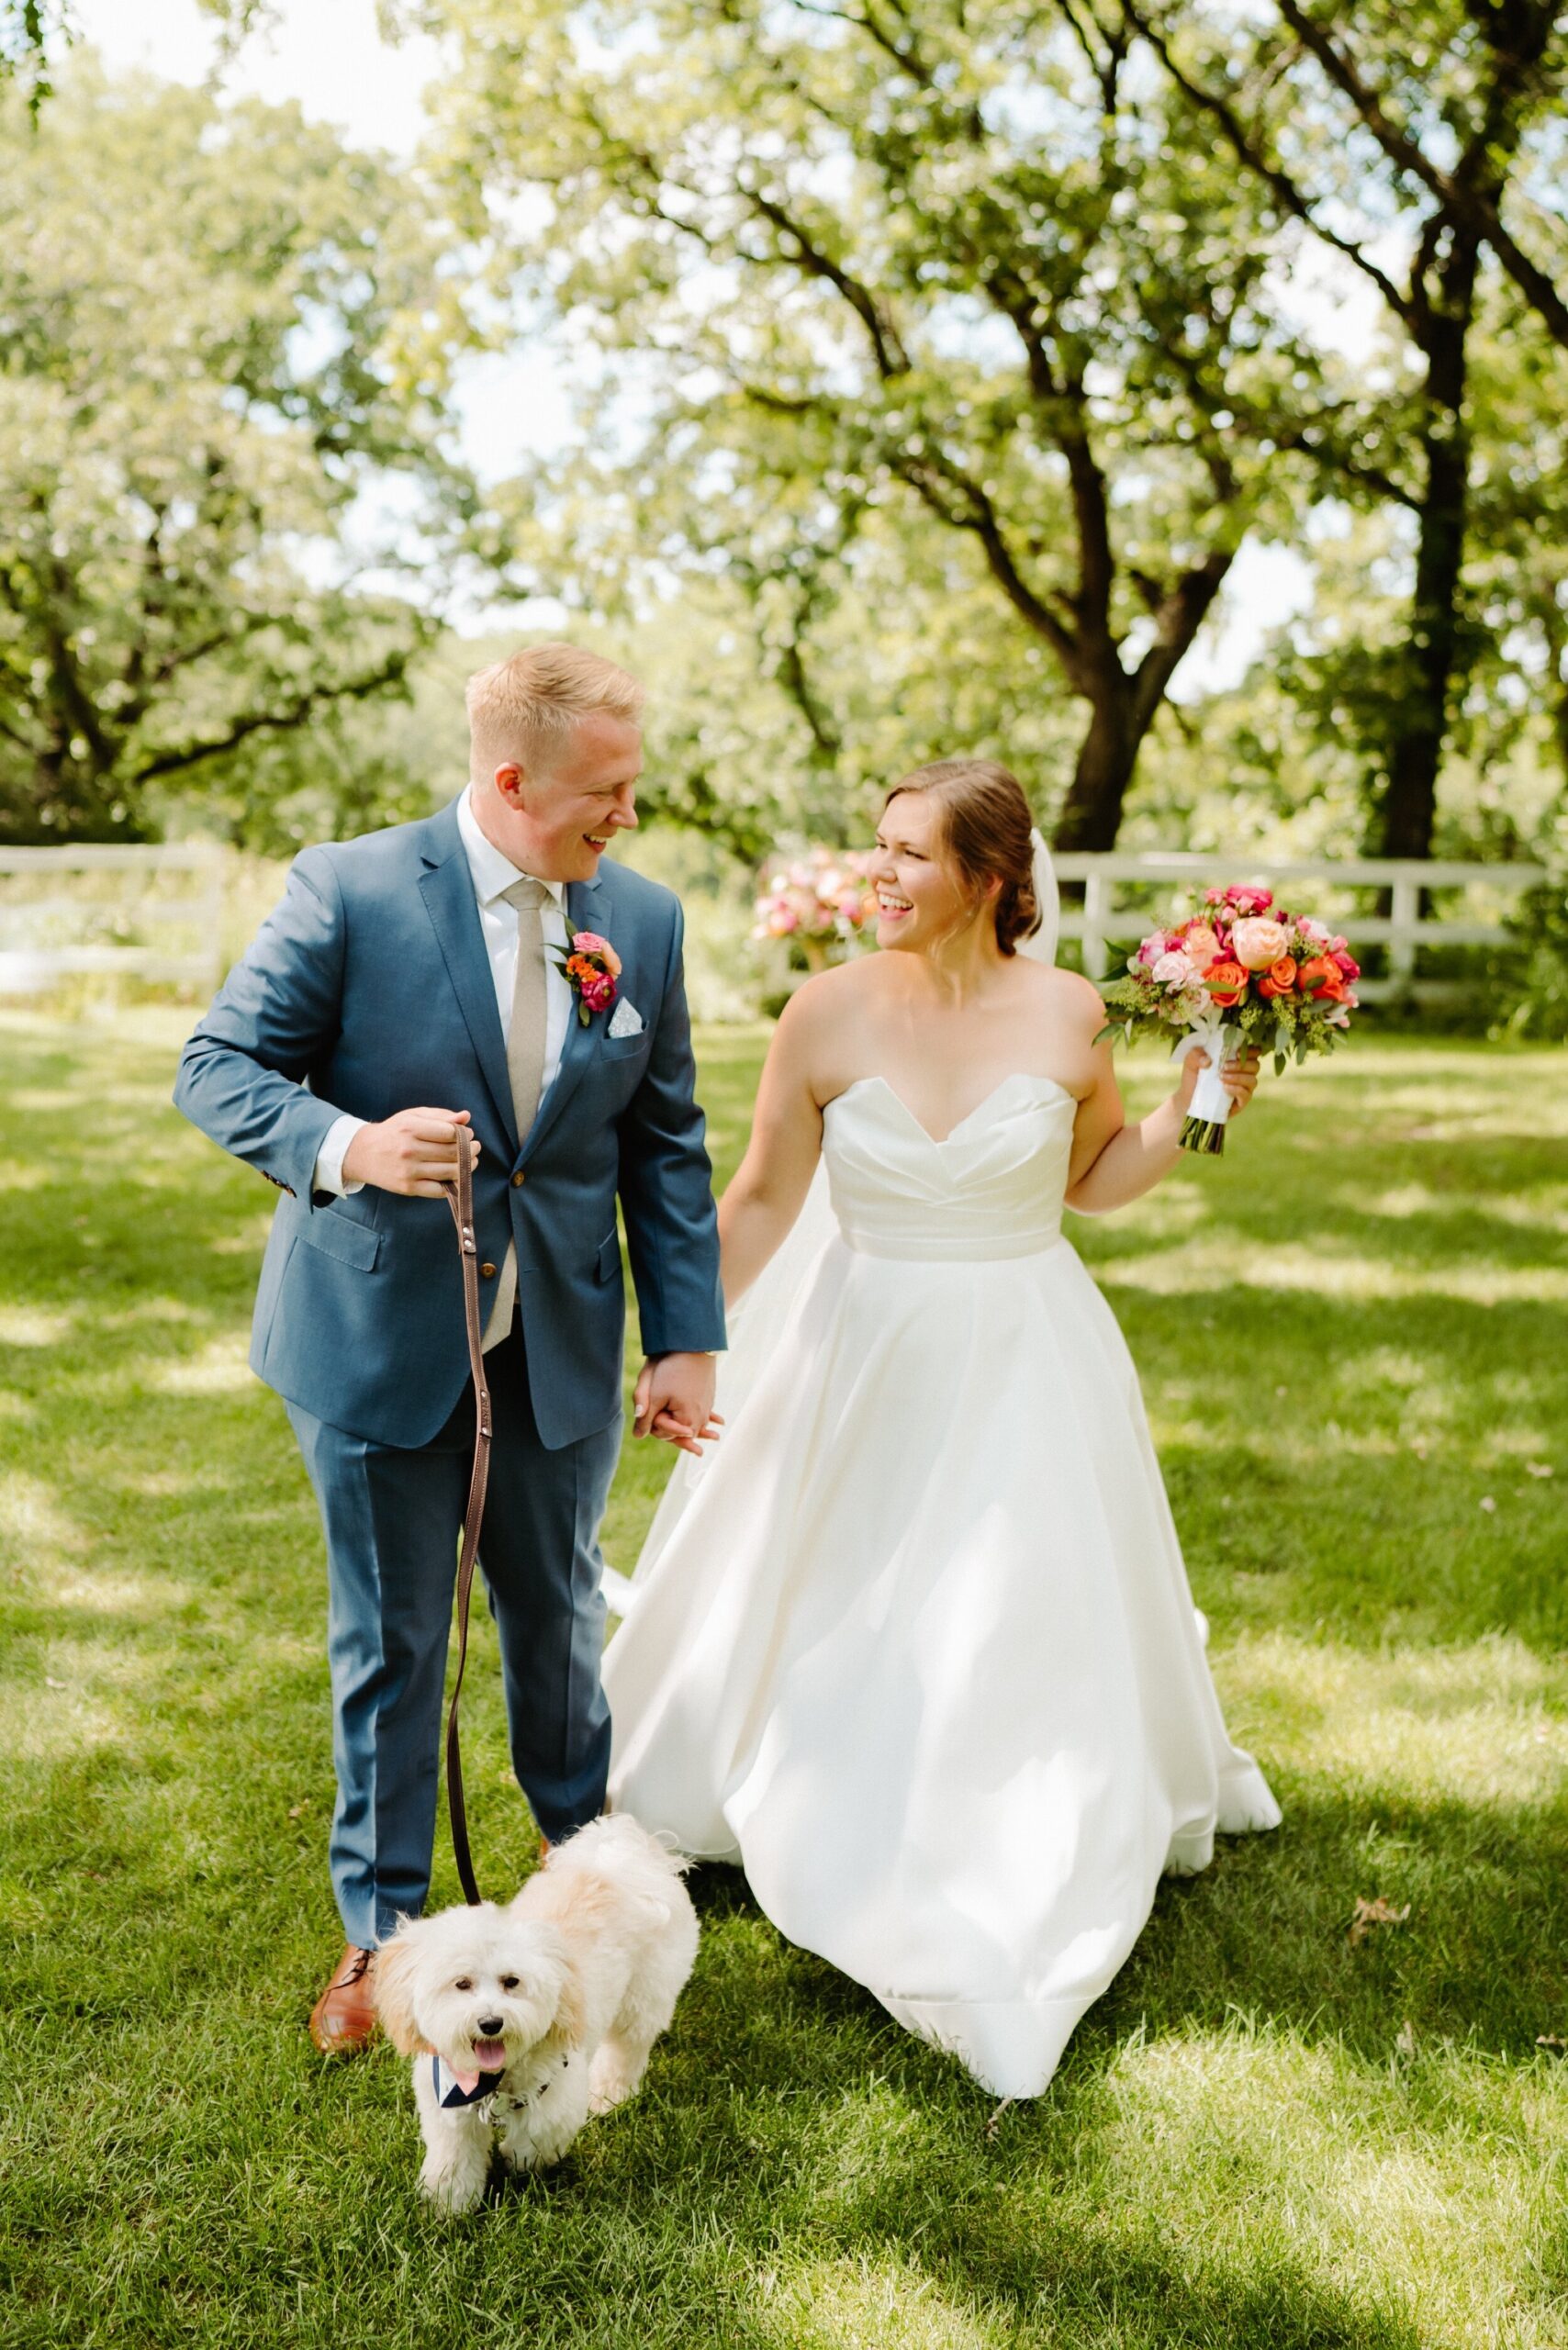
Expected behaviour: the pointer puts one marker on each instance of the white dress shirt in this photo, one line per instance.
(491, 874)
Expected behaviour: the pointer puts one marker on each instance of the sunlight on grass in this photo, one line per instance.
(1328, 1272)
(1476, 1726)
(34, 1530)
(33, 1325)
(1269, 2148)
(1265, 2137)
(221, 1368)
(861, 2305)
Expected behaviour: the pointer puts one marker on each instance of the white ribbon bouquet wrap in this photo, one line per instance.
(1210, 1104)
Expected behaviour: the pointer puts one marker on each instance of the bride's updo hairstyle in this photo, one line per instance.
(989, 833)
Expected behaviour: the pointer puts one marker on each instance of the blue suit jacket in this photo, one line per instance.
(369, 991)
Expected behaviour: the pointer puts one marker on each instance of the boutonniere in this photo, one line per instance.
(592, 969)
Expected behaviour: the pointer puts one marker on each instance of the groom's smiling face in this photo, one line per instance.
(555, 817)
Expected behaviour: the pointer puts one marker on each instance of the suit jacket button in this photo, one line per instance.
(486, 1272)
(518, 1181)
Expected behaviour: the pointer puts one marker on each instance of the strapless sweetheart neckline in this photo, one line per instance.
(937, 1142)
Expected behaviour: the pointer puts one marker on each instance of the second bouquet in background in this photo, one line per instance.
(816, 903)
(1240, 972)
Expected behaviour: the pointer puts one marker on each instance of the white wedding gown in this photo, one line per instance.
(913, 1643)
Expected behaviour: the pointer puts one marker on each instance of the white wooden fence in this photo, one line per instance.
(158, 913)
(1162, 878)
(144, 912)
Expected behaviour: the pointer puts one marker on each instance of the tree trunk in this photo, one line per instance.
(1406, 810)
(1092, 812)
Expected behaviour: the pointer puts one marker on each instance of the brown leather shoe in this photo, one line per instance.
(343, 2019)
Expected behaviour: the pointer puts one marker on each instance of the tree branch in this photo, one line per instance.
(1277, 180)
(1106, 69)
(1464, 203)
(391, 671)
(886, 345)
(977, 514)
(1176, 624)
(28, 744)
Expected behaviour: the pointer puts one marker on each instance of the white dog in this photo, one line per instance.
(523, 2021)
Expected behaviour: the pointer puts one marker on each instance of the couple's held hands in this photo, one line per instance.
(414, 1153)
(673, 1400)
(1239, 1075)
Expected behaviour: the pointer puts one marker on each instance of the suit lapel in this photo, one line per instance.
(581, 1044)
(447, 888)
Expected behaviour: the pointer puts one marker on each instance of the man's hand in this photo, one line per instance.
(675, 1401)
(414, 1153)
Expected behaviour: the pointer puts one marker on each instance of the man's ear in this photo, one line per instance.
(392, 1975)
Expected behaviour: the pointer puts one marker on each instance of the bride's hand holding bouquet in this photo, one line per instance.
(1238, 977)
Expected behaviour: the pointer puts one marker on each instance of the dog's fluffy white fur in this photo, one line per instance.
(574, 1980)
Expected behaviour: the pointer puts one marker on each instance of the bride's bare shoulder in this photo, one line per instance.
(823, 1018)
(827, 996)
(1067, 995)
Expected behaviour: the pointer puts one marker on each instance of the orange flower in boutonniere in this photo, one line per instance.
(592, 970)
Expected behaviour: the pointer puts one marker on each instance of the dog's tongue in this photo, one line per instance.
(490, 2055)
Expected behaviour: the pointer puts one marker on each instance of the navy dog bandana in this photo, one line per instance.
(462, 2088)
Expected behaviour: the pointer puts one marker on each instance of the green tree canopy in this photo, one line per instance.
(962, 273)
(1425, 147)
(219, 465)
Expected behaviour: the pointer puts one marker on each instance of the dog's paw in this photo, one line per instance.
(454, 2187)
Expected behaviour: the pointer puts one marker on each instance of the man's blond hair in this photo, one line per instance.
(525, 707)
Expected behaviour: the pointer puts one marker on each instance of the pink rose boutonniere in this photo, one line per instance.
(592, 970)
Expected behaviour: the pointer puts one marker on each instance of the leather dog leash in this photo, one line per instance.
(460, 1200)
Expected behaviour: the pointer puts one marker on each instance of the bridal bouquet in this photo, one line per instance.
(1240, 972)
(816, 902)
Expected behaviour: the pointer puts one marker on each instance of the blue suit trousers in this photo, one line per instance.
(393, 1518)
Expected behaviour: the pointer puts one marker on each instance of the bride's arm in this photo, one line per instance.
(1114, 1163)
(768, 1188)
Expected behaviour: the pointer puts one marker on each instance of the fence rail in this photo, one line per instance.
(1099, 925)
(158, 912)
(137, 913)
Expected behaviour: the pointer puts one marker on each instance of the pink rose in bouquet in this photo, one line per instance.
(1257, 941)
(1201, 941)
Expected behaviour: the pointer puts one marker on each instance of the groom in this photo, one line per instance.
(414, 967)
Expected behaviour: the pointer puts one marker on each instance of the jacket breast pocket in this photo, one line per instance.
(622, 1049)
(334, 1236)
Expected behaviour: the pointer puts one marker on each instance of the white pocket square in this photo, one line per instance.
(625, 1020)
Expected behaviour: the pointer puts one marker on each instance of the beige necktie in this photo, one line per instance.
(525, 1036)
(526, 1059)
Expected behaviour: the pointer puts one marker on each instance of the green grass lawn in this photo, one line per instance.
(1351, 1333)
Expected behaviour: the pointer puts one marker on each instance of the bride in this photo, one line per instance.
(914, 1645)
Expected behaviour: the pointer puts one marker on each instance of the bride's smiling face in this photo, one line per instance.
(922, 901)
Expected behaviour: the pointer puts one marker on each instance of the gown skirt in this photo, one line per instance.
(913, 1643)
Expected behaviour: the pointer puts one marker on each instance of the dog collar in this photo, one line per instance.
(462, 2088)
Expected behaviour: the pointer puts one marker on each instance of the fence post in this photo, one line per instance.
(1097, 911)
(1405, 913)
(213, 907)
